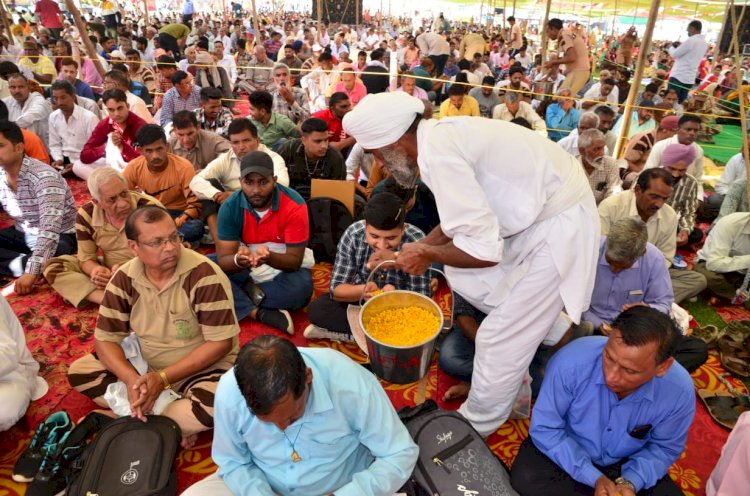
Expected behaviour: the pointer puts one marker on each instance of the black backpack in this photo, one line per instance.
(329, 218)
(130, 458)
(453, 457)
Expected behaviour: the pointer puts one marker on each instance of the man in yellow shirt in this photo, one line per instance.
(459, 103)
(36, 66)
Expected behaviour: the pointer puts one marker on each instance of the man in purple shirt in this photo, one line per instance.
(631, 272)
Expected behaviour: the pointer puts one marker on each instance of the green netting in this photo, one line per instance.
(730, 141)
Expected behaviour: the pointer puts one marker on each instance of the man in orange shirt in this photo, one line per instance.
(575, 56)
(166, 177)
(32, 143)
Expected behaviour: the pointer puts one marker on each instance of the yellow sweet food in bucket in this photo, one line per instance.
(406, 326)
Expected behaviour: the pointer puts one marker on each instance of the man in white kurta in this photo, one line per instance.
(19, 383)
(518, 236)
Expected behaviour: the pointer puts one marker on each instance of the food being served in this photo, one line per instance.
(407, 326)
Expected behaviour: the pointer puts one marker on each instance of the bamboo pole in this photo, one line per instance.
(717, 47)
(320, 17)
(738, 70)
(356, 14)
(514, 8)
(256, 25)
(545, 41)
(145, 11)
(6, 22)
(635, 85)
(82, 31)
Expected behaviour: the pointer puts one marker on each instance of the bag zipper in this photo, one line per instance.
(439, 458)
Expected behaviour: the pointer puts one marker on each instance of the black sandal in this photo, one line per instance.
(724, 408)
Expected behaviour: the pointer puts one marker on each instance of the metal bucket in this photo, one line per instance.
(400, 364)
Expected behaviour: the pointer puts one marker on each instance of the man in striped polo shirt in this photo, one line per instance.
(179, 305)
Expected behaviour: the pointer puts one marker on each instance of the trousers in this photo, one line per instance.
(16, 248)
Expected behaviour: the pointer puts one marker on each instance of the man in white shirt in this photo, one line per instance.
(647, 200)
(687, 56)
(726, 255)
(225, 60)
(29, 110)
(522, 269)
(687, 132)
(514, 107)
(221, 177)
(600, 92)
(734, 170)
(70, 126)
(588, 120)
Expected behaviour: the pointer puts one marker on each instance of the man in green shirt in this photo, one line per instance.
(172, 38)
(273, 128)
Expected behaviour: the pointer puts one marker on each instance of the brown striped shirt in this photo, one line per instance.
(639, 148)
(94, 232)
(684, 201)
(196, 306)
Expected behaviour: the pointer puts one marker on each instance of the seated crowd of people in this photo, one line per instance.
(171, 164)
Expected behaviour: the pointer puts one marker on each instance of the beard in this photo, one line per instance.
(402, 169)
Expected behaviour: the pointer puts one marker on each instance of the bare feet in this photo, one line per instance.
(460, 390)
(188, 441)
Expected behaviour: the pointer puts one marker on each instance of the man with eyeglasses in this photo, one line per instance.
(185, 95)
(100, 226)
(179, 305)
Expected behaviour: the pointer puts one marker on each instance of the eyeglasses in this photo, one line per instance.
(160, 243)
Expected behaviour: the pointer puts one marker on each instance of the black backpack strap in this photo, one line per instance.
(409, 412)
(93, 423)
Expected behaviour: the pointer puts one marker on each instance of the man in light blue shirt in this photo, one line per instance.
(630, 271)
(613, 414)
(304, 421)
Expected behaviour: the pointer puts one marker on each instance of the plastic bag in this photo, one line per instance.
(522, 405)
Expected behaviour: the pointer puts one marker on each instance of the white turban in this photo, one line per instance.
(381, 119)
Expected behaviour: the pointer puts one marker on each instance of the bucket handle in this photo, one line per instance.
(448, 322)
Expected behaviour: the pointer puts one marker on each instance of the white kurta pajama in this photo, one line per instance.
(506, 194)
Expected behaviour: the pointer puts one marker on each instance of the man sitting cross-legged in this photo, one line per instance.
(196, 145)
(382, 229)
(221, 177)
(612, 416)
(263, 231)
(179, 305)
(309, 421)
(100, 225)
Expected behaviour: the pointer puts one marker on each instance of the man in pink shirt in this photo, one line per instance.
(50, 16)
(350, 84)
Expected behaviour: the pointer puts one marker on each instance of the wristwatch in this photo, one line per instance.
(622, 481)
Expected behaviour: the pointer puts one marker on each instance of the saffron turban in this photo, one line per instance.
(677, 152)
(381, 119)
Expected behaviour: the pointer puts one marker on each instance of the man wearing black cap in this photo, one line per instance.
(263, 232)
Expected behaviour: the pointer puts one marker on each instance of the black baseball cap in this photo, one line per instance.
(258, 162)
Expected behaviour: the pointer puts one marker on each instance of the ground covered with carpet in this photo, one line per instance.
(57, 335)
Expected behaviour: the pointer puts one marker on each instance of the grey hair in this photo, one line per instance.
(626, 241)
(511, 97)
(590, 118)
(564, 92)
(101, 176)
(279, 65)
(588, 137)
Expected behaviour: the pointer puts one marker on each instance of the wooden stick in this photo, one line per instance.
(545, 41)
(627, 114)
(6, 22)
(83, 33)
(717, 47)
(256, 25)
(320, 17)
(145, 11)
(742, 93)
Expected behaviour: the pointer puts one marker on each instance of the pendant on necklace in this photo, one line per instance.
(295, 456)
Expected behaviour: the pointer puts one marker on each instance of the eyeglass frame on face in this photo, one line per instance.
(159, 243)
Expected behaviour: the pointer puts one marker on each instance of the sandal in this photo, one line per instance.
(734, 356)
(738, 330)
(724, 408)
(709, 335)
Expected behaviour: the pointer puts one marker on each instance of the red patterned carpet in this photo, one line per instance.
(57, 335)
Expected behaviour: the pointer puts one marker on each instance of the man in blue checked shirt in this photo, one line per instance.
(383, 228)
(612, 416)
(304, 421)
